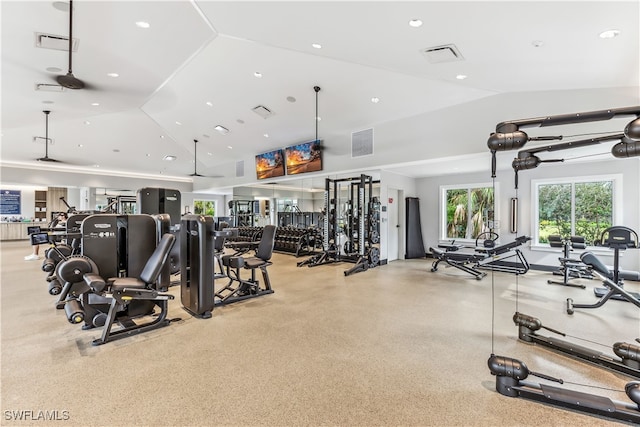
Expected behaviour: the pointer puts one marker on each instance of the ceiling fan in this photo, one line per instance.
(46, 157)
(70, 81)
(195, 163)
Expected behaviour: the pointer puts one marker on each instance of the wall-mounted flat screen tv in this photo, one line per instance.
(305, 157)
(270, 165)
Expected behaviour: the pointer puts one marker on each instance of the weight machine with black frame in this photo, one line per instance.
(352, 236)
(510, 373)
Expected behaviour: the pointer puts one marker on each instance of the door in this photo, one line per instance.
(393, 229)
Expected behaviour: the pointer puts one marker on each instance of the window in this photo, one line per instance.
(575, 207)
(466, 210)
(204, 207)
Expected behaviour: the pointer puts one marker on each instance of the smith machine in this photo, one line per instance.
(511, 373)
(351, 226)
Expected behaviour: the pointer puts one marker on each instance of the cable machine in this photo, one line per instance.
(351, 225)
(511, 373)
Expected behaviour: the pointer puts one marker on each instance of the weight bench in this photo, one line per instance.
(483, 258)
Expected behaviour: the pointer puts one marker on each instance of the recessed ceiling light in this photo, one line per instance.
(258, 74)
(115, 150)
(113, 74)
(316, 46)
(205, 135)
(95, 104)
(229, 147)
(609, 34)
(240, 121)
(87, 122)
(61, 5)
(461, 76)
(291, 99)
(96, 166)
(178, 123)
(47, 102)
(415, 23)
(318, 118)
(80, 145)
(161, 136)
(375, 99)
(210, 154)
(266, 135)
(54, 69)
(169, 158)
(223, 130)
(148, 155)
(209, 103)
(142, 24)
(537, 43)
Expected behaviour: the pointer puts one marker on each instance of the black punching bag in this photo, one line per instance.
(415, 244)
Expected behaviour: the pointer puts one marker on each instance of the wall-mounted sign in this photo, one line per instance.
(10, 202)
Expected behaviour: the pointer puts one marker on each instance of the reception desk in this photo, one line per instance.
(17, 230)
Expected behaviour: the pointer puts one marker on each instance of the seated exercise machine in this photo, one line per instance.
(487, 257)
(629, 354)
(198, 242)
(115, 247)
(510, 381)
(238, 288)
(570, 268)
(130, 297)
(617, 238)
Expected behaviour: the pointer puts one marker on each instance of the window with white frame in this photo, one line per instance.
(575, 207)
(466, 210)
(204, 207)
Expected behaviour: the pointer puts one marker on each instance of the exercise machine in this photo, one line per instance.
(629, 354)
(510, 381)
(351, 225)
(239, 288)
(486, 257)
(132, 295)
(570, 268)
(619, 239)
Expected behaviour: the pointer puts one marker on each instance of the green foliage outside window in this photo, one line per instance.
(592, 210)
(468, 211)
(204, 207)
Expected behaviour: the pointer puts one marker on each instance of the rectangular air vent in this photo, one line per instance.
(52, 41)
(362, 143)
(239, 168)
(444, 53)
(49, 87)
(262, 111)
(41, 139)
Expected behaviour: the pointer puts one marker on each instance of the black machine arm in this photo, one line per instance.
(510, 375)
(508, 135)
(527, 159)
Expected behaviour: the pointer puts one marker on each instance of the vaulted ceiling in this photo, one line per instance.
(201, 64)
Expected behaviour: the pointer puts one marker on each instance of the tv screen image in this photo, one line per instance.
(270, 165)
(305, 157)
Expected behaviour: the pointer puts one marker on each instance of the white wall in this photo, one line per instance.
(429, 190)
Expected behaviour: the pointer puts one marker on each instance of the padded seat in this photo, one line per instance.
(127, 282)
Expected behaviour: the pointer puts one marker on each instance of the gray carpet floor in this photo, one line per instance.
(397, 345)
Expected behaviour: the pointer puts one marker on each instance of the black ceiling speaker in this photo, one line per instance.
(69, 80)
(46, 157)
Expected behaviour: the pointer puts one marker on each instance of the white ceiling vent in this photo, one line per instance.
(262, 111)
(444, 53)
(52, 41)
(362, 143)
(49, 87)
(239, 168)
(41, 140)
